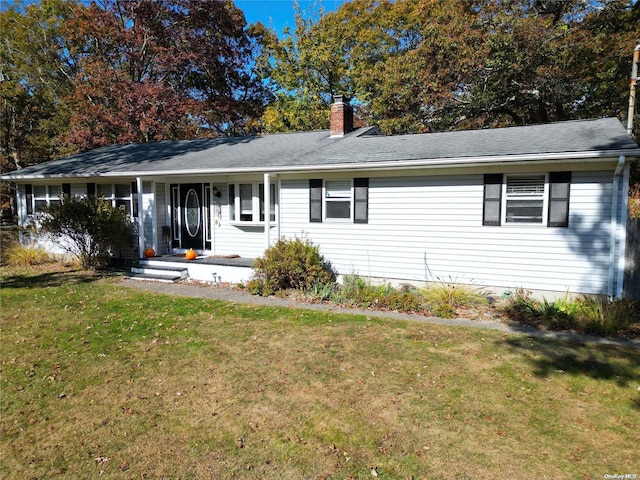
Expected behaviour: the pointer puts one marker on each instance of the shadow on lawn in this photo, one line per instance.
(49, 279)
(606, 362)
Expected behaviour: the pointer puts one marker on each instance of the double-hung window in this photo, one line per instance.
(520, 199)
(121, 195)
(272, 202)
(42, 195)
(339, 200)
(525, 199)
(246, 202)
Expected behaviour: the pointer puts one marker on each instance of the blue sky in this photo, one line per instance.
(279, 14)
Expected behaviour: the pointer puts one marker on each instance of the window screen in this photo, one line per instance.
(524, 199)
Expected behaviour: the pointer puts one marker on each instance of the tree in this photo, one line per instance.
(162, 70)
(337, 53)
(35, 75)
(89, 228)
(437, 65)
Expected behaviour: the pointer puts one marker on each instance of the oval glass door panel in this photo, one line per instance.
(192, 212)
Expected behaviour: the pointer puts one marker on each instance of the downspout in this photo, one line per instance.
(267, 211)
(140, 219)
(623, 232)
(632, 89)
(614, 226)
(278, 209)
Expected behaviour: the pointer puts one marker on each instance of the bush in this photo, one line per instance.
(17, 255)
(289, 264)
(87, 227)
(595, 316)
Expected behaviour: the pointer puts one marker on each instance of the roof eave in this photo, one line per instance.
(565, 157)
(457, 162)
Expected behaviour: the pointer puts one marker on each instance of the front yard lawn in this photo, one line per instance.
(101, 380)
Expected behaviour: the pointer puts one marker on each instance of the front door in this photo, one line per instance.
(192, 215)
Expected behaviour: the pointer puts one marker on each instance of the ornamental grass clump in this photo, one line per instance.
(17, 255)
(594, 316)
(445, 298)
(290, 264)
(356, 291)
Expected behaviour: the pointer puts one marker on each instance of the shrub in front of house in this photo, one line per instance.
(88, 228)
(290, 264)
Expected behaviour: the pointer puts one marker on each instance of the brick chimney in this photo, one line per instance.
(341, 121)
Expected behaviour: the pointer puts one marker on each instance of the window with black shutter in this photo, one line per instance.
(28, 190)
(315, 200)
(361, 200)
(492, 199)
(559, 190)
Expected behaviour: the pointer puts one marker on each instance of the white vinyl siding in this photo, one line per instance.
(430, 227)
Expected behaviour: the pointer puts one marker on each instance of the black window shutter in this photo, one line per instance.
(28, 190)
(66, 190)
(315, 200)
(361, 199)
(559, 190)
(91, 189)
(134, 198)
(492, 199)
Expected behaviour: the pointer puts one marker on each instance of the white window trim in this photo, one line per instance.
(325, 199)
(255, 204)
(545, 201)
(175, 212)
(207, 204)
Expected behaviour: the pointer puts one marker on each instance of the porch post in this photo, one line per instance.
(140, 219)
(267, 210)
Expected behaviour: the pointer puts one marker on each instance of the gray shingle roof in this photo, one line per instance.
(310, 150)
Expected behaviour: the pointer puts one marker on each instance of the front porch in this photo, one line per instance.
(175, 267)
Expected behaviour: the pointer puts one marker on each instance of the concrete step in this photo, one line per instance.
(157, 273)
(158, 270)
(149, 277)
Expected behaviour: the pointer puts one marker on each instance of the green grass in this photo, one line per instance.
(103, 381)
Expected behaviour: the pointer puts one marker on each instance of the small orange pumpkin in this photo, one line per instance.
(191, 254)
(149, 252)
